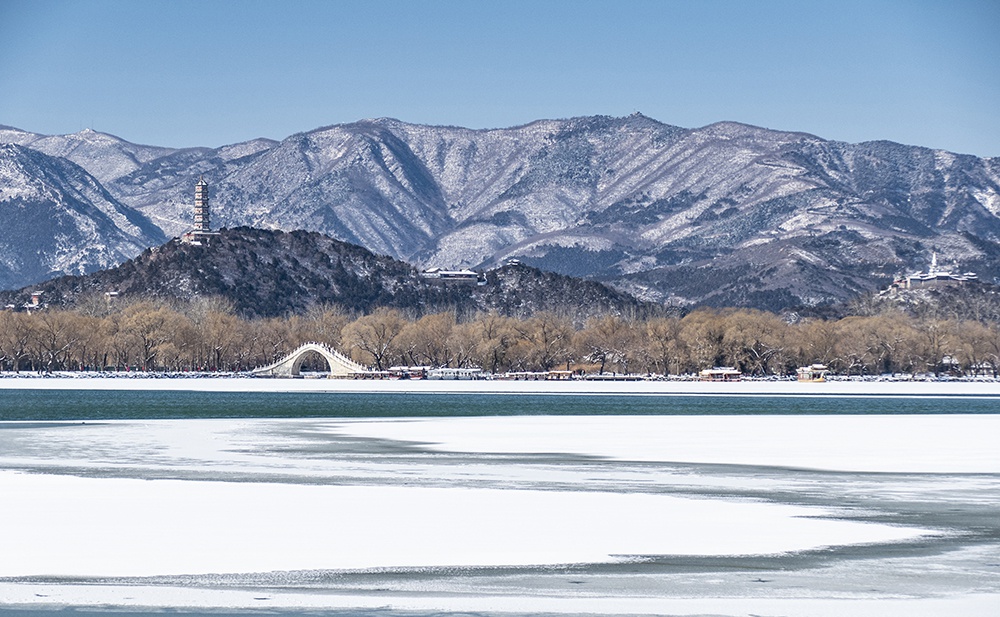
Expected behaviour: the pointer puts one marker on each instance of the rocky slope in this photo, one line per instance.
(56, 218)
(273, 273)
(727, 214)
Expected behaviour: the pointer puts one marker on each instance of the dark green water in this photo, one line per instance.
(22, 405)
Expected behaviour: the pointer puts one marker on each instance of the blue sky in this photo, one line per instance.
(208, 73)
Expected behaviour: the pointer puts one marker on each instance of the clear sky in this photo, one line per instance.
(208, 73)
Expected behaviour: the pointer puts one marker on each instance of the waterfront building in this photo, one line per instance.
(720, 373)
(815, 373)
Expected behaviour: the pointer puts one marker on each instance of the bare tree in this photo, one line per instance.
(15, 337)
(545, 341)
(151, 326)
(815, 341)
(494, 337)
(427, 340)
(372, 338)
(664, 347)
(605, 340)
(753, 340)
(703, 332)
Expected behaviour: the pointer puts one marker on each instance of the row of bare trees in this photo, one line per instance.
(207, 336)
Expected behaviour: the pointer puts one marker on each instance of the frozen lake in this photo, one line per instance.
(666, 508)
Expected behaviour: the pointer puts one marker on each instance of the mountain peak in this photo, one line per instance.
(730, 129)
(724, 214)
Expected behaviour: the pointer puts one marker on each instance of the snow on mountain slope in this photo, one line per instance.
(56, 218)
(727, 213)
(104, 156)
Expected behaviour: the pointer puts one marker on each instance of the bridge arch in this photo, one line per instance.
(304, 358)
(291, 365)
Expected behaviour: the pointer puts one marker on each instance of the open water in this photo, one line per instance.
(50, 405)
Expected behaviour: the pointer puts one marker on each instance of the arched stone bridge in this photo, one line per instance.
(290, 365)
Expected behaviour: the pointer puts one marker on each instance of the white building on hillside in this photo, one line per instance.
(935, 277)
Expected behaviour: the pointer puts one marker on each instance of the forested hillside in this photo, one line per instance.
(264, 273)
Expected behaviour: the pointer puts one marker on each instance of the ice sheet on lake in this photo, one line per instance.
(271, 505)
(146, 528)
(902, 444)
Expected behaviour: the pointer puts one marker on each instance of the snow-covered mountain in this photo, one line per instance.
(55, 219)
(724, 214)
(151, 179)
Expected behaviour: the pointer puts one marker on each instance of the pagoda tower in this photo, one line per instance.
(202, 216)
(202, 231)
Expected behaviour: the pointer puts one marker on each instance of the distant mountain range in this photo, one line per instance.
(727, 214)
(273, 273)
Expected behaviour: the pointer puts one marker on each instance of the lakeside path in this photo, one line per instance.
(918, 389)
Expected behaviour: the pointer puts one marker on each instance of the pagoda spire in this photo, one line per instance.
(202, 215)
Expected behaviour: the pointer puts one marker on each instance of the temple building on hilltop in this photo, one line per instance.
(202, 231)
(933, 277)
(438, 275)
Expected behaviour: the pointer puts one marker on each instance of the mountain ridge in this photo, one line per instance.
(727, 213)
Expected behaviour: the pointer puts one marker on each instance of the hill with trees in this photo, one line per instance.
(263, 273)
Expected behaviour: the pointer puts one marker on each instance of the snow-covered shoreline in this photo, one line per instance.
(201, 383)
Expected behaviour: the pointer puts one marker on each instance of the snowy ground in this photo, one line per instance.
(665, 515)
(143, 381)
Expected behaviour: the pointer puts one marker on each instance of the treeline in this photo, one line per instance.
(206, 335)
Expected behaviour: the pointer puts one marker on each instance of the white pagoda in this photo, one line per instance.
(202, 216)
